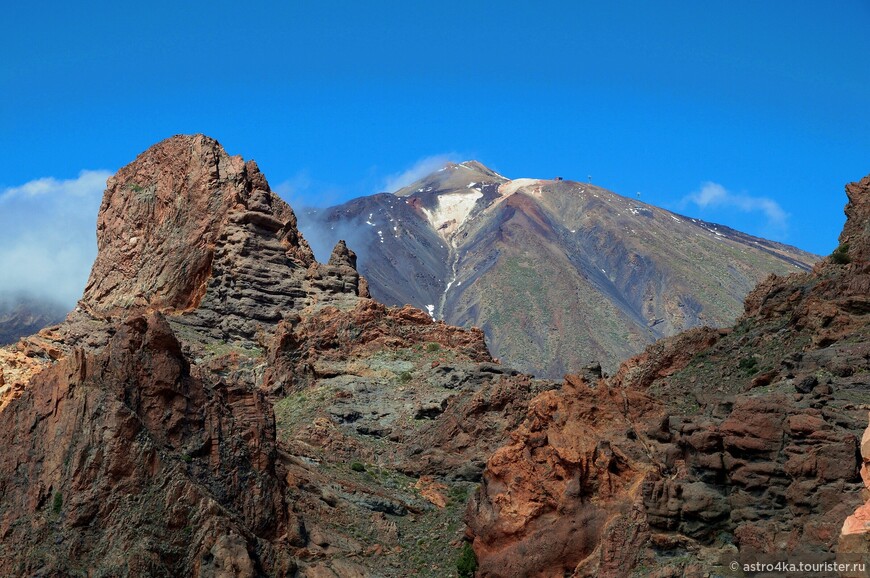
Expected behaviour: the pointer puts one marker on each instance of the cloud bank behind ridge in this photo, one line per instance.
(48, 236)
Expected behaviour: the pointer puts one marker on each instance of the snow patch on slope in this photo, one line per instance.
(452, 211)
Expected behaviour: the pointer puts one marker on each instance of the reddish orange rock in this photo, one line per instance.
(858, 524)
(432, 491)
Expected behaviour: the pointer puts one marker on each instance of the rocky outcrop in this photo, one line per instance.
(128, 461)
(189, 230)
(716, 443)
(566, 494)
(665, 357)
(310, 347)
(338, 276)
(180, 220)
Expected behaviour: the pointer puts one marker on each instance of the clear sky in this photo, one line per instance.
(751, 114)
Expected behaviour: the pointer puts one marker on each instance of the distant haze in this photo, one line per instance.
(322, 235)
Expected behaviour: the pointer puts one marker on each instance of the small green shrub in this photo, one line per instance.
(357, 467)
(405, 377)
(466, 565)
(433, 347)
(57, 503)
(459, 493)
(748, 364)
(840, 256)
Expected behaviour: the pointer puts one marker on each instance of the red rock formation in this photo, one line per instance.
(124, 446)
(855, 534)
(163, 215)
(125, 459)
(309, 346)
(856, 232)
(716, 442)
(566, 494)
(665, 357)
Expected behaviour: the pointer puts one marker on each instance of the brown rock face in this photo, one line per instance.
(566, 493)
(170, 218)
(856, 232)
(127, 459)
(709, 446)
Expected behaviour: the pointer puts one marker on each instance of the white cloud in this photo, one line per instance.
(715, 196)
(48, 236)
(419, 170)
(83, 186)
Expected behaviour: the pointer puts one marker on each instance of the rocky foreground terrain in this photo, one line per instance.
(711, 446)
(558, 274)
(221, 404)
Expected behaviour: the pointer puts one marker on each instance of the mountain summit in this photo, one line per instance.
(559, 274)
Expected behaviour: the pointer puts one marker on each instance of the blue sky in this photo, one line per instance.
(752, 114)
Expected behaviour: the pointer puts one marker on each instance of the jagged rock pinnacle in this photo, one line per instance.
(163, 215)
(190, 231)
(341, 255)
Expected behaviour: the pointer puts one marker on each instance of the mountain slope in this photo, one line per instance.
(557, 273)
(21, 315)
(710, 448)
